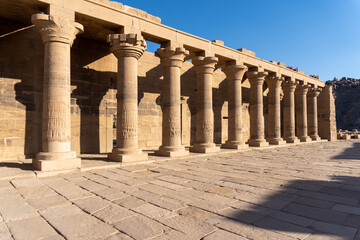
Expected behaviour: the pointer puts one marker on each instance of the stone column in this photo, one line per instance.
(313, 113)
(128, 48)
(274, 110)
(301, 113)
(58, 35)
(171, 60)
(234, 76)
(289, 112)
(204, 68)
(327, 115)
(256, 109)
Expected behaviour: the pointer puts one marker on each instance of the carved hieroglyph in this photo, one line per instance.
(58, 35)
(171, 59)
(128, 48)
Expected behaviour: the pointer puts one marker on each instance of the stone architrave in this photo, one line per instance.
(301, 113)
(257, 133)
(313, 113)
(127, 48)
(58, 35)
(171, 60)
(204, 68)
(289, 111)
(274, 110)
(234, 76)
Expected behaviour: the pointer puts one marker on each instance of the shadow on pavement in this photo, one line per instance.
(308, 207)
(352, 153)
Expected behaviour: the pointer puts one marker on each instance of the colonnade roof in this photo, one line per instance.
(101, 17)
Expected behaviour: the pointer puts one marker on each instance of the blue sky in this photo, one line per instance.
(320, 37)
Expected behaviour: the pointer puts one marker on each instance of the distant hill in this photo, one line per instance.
(347, 102)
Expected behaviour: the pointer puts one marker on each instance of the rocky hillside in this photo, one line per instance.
(347, 101)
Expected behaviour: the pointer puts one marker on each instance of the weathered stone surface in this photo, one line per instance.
(32, 228)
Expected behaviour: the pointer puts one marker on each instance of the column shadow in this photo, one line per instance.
(305, 207)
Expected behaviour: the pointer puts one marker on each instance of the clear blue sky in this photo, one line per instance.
(320, 37)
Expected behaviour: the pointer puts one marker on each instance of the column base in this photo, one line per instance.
(258, 143)
(305, 139)
(315, 138)
(356, 136)
(168, 151)
(204, 148)
(49, 161)
(276, 141)
(234, 145)
(292, 140)
(127, 155)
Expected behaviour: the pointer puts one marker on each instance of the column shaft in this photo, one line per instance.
(301, 113)
(313, 113)
(289, 112)
(204, 68)
(128, 48)
(274, 111)
(171, 61)
(58, 35)
(256, 109)
(234, 75)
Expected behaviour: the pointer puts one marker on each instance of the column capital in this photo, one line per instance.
(127, 45)
(274, 81)
(314, 92)
(204, 65)
(256, 77)
(234, 72)
(171, 56)
(302, 89)
(56, 29)
(289, 86)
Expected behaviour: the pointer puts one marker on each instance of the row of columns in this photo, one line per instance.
(58, 36)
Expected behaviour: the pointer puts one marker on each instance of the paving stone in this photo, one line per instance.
(316, 213)
(18, 212)
(335, 229)
(31, 229)
(27, 182)
(221, 235)
(90, 185)
(242, 216)
(196, 213)
(352, 221)
(48, 202)
(153, 211)
(9, 191)
(113, 213)
(130, 202)
(87, 227)
(251, 232)
(111, 194)
(118, 236)
(189, 226)
(140, 227)
(347, 209)
(36, 192)
(5, 232)
(72, 192)
(295, 219)
(167, 203)
(13, 201)
(314, 202)
(246, 206)
(92, 204)
(286, 228)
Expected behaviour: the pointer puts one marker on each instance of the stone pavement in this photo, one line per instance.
(309, 191)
